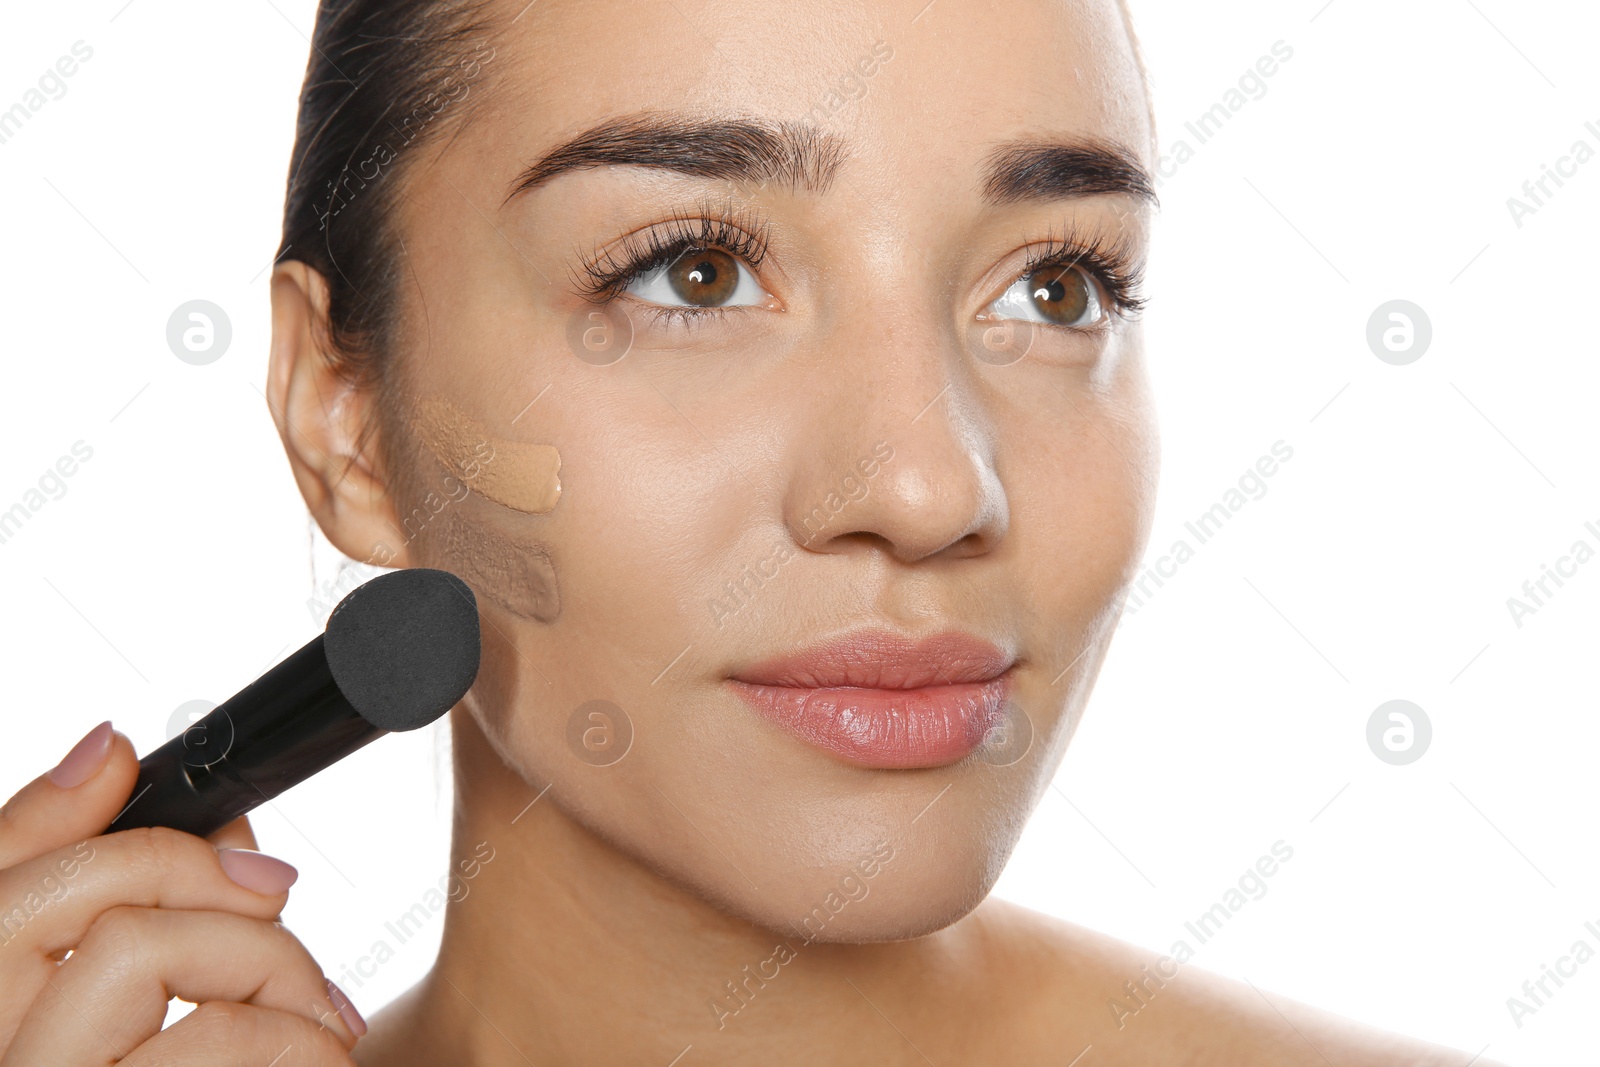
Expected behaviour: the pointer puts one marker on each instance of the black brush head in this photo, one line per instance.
(404, 647)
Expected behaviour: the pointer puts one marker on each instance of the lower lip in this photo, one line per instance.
(885, 728)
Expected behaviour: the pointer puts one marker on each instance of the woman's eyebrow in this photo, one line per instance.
(1061, 168)
(799, 156)
(795, 155)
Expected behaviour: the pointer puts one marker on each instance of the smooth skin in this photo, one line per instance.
(1015, 507)
(625, 898)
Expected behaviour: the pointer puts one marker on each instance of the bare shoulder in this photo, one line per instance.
(392, 1038)
(1129, 1005)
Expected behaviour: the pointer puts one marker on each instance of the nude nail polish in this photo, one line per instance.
(86, 757)
(347, 1010)
(256, 871)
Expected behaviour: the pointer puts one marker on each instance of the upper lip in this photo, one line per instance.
(883, 659)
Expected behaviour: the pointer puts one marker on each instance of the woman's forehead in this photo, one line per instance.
(926, 83)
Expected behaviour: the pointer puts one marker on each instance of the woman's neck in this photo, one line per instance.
(564, 950)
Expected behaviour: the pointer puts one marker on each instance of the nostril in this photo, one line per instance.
(850, 541)
(973, 544)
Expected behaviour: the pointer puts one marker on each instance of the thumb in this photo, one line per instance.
(75, 800)
(237, 834)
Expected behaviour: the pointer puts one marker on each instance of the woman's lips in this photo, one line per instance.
(880, 700)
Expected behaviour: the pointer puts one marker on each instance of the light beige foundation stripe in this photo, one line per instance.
(521, 476)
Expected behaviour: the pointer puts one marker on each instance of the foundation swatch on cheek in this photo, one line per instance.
(523, 477)
(514, 573)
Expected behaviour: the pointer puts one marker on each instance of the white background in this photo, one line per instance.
(1232, 711)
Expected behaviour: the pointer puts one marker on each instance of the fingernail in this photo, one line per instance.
(347, 1010)
(86, 757)
(257, 872)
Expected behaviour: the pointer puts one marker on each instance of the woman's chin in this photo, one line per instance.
(895, 899)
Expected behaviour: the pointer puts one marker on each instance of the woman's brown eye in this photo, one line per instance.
(700, 277)
(705, 277)
(1060, 296)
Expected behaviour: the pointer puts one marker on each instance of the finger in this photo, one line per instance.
(76, 799)
(237, 834)
(111, 995)
(47, 904)
(220, 1034)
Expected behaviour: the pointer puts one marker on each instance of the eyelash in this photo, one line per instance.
(742, 234)
(1113, 264)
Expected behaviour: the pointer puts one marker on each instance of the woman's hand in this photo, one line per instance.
(147, 915)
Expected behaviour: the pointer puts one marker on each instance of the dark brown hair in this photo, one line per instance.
(385, 78)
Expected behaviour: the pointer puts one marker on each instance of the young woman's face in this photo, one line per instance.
(872, 407)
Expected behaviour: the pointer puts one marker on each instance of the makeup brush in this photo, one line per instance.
(398, 652)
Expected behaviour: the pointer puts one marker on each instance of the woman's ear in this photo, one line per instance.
(328, 425)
